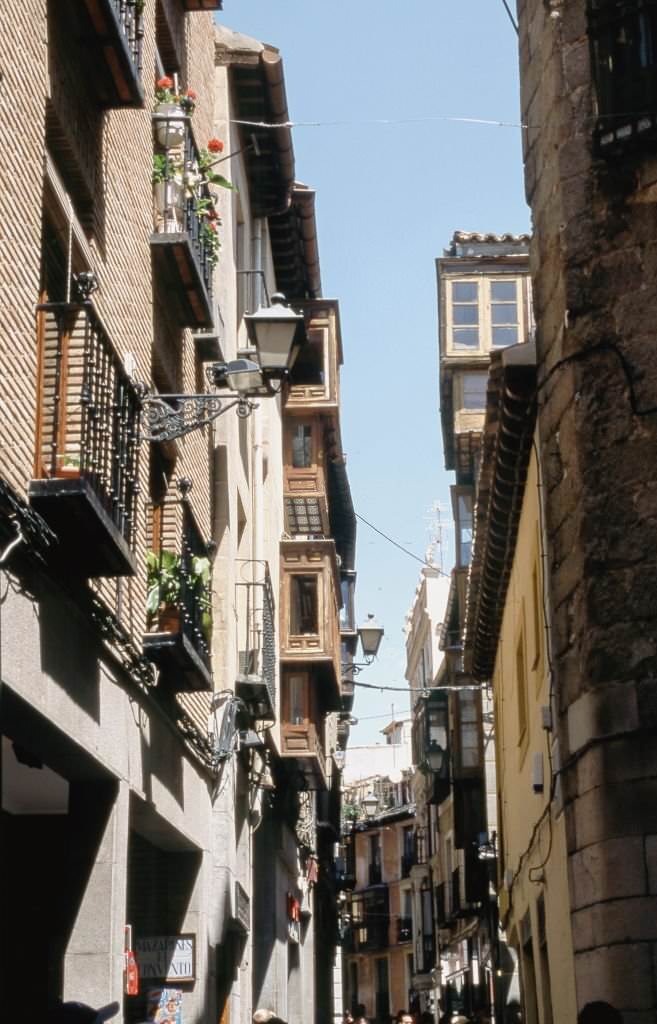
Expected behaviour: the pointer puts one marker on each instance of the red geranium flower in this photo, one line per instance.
(215, 146)
(191, 95)
(212, 226)
(165, 83)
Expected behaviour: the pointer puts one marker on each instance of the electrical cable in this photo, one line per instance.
(410, 554)
(417, 689)
(380, 120)
(511, 18)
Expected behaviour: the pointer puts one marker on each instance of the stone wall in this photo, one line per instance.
(594, 261)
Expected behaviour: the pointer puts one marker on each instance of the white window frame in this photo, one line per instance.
(485, 312)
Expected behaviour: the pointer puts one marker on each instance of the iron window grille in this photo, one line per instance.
(623, 38)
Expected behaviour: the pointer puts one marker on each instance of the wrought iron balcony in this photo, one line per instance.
(179, 612)
(87, 445)
(113, 38)
(624, 58)
(404, 929)
(182, 245)
(256, 639)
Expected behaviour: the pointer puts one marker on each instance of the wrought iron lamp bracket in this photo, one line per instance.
(167, 417)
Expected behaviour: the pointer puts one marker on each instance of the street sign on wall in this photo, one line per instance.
(167, 957)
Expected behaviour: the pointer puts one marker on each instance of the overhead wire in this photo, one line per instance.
(401, 547)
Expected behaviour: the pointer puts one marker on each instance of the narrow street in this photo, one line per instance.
(328, 527)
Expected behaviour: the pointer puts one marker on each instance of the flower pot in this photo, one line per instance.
(170, 133)
(168, 619)
(169, 197)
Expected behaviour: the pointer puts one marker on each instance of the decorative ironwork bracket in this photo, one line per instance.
(166, 417)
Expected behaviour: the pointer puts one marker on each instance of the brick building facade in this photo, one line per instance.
(142, 757)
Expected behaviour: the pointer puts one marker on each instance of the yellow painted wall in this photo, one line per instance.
(520, 737)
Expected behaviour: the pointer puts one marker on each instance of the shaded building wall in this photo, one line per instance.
(594, 259)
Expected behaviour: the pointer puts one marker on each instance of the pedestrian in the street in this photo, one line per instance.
(359, 1014)
(404, 1017)
(347, 1017)
(80, 1013)
(599, 1012)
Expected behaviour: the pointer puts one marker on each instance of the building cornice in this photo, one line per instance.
(506, 448)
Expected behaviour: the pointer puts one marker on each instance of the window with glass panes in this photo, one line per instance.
(484, 313)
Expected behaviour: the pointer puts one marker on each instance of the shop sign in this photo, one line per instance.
(167, 957)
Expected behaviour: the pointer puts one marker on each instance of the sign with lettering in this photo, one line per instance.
(167, 957)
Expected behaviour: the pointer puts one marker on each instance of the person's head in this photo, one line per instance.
(426, 1017)
(404, 1017)
(599, 1012)
(266, 1017)
(80, 1013)
(348, 1017)
(360, 1010)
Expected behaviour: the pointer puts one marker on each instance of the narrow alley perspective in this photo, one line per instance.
(328, 512)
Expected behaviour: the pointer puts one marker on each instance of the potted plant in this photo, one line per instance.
(169, 191)
(172, 104)
(166, 577)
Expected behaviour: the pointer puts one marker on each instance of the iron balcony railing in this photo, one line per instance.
(420, 846)
(89, 410)
(404, 929)
(130, 19)
(256, 634)
(183, 582)
(624, 51)
(456, 891)
(183, 198)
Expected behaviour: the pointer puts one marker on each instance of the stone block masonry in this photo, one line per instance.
(594, 255)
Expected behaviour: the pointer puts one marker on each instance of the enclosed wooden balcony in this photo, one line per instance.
(302, 725)
(112, 32)
(181, 244)
(306, 504)
(315, 376)
(310, 628)
(86, 466)
(179, 612)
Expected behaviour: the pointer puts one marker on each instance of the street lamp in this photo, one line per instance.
(370, 804)
(371, 635)
(277, 334)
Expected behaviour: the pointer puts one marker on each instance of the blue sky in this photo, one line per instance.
(389, 199)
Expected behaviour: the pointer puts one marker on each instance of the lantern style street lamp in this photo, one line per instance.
(371, 635)
(277, 334)
(370, 804)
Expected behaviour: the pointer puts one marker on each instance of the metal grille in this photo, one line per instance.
(256, 639)
(89, 410)
(302, 515)
(131, 23)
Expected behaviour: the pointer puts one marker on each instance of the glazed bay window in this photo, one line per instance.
(304, 611)
(484, 313)
(474, 391)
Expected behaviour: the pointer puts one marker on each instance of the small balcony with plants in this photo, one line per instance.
(113, 32)
(255, 611)
(185, 241)
(179, 607)
(85, 481)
